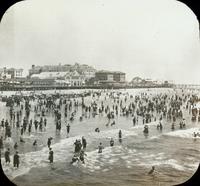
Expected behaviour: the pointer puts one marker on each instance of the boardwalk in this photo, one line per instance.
(187, 86)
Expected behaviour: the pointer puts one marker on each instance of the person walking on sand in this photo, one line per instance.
(16, 160)
(7, 156)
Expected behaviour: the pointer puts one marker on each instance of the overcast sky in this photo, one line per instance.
(156, 39)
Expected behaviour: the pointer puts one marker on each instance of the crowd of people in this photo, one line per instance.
(27, 117)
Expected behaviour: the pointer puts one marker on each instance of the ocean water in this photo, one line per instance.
(175, 154)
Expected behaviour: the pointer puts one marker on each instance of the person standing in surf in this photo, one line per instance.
(50, 155)
(1, 142)
(16, 146)
(84, 142)
(100, 148)
(68, 129)
(49, 142)
(111, 142)
(82, 156)
(120, 134)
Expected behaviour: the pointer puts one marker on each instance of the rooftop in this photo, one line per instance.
(110, 72)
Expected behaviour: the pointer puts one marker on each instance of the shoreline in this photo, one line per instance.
(31, 88)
